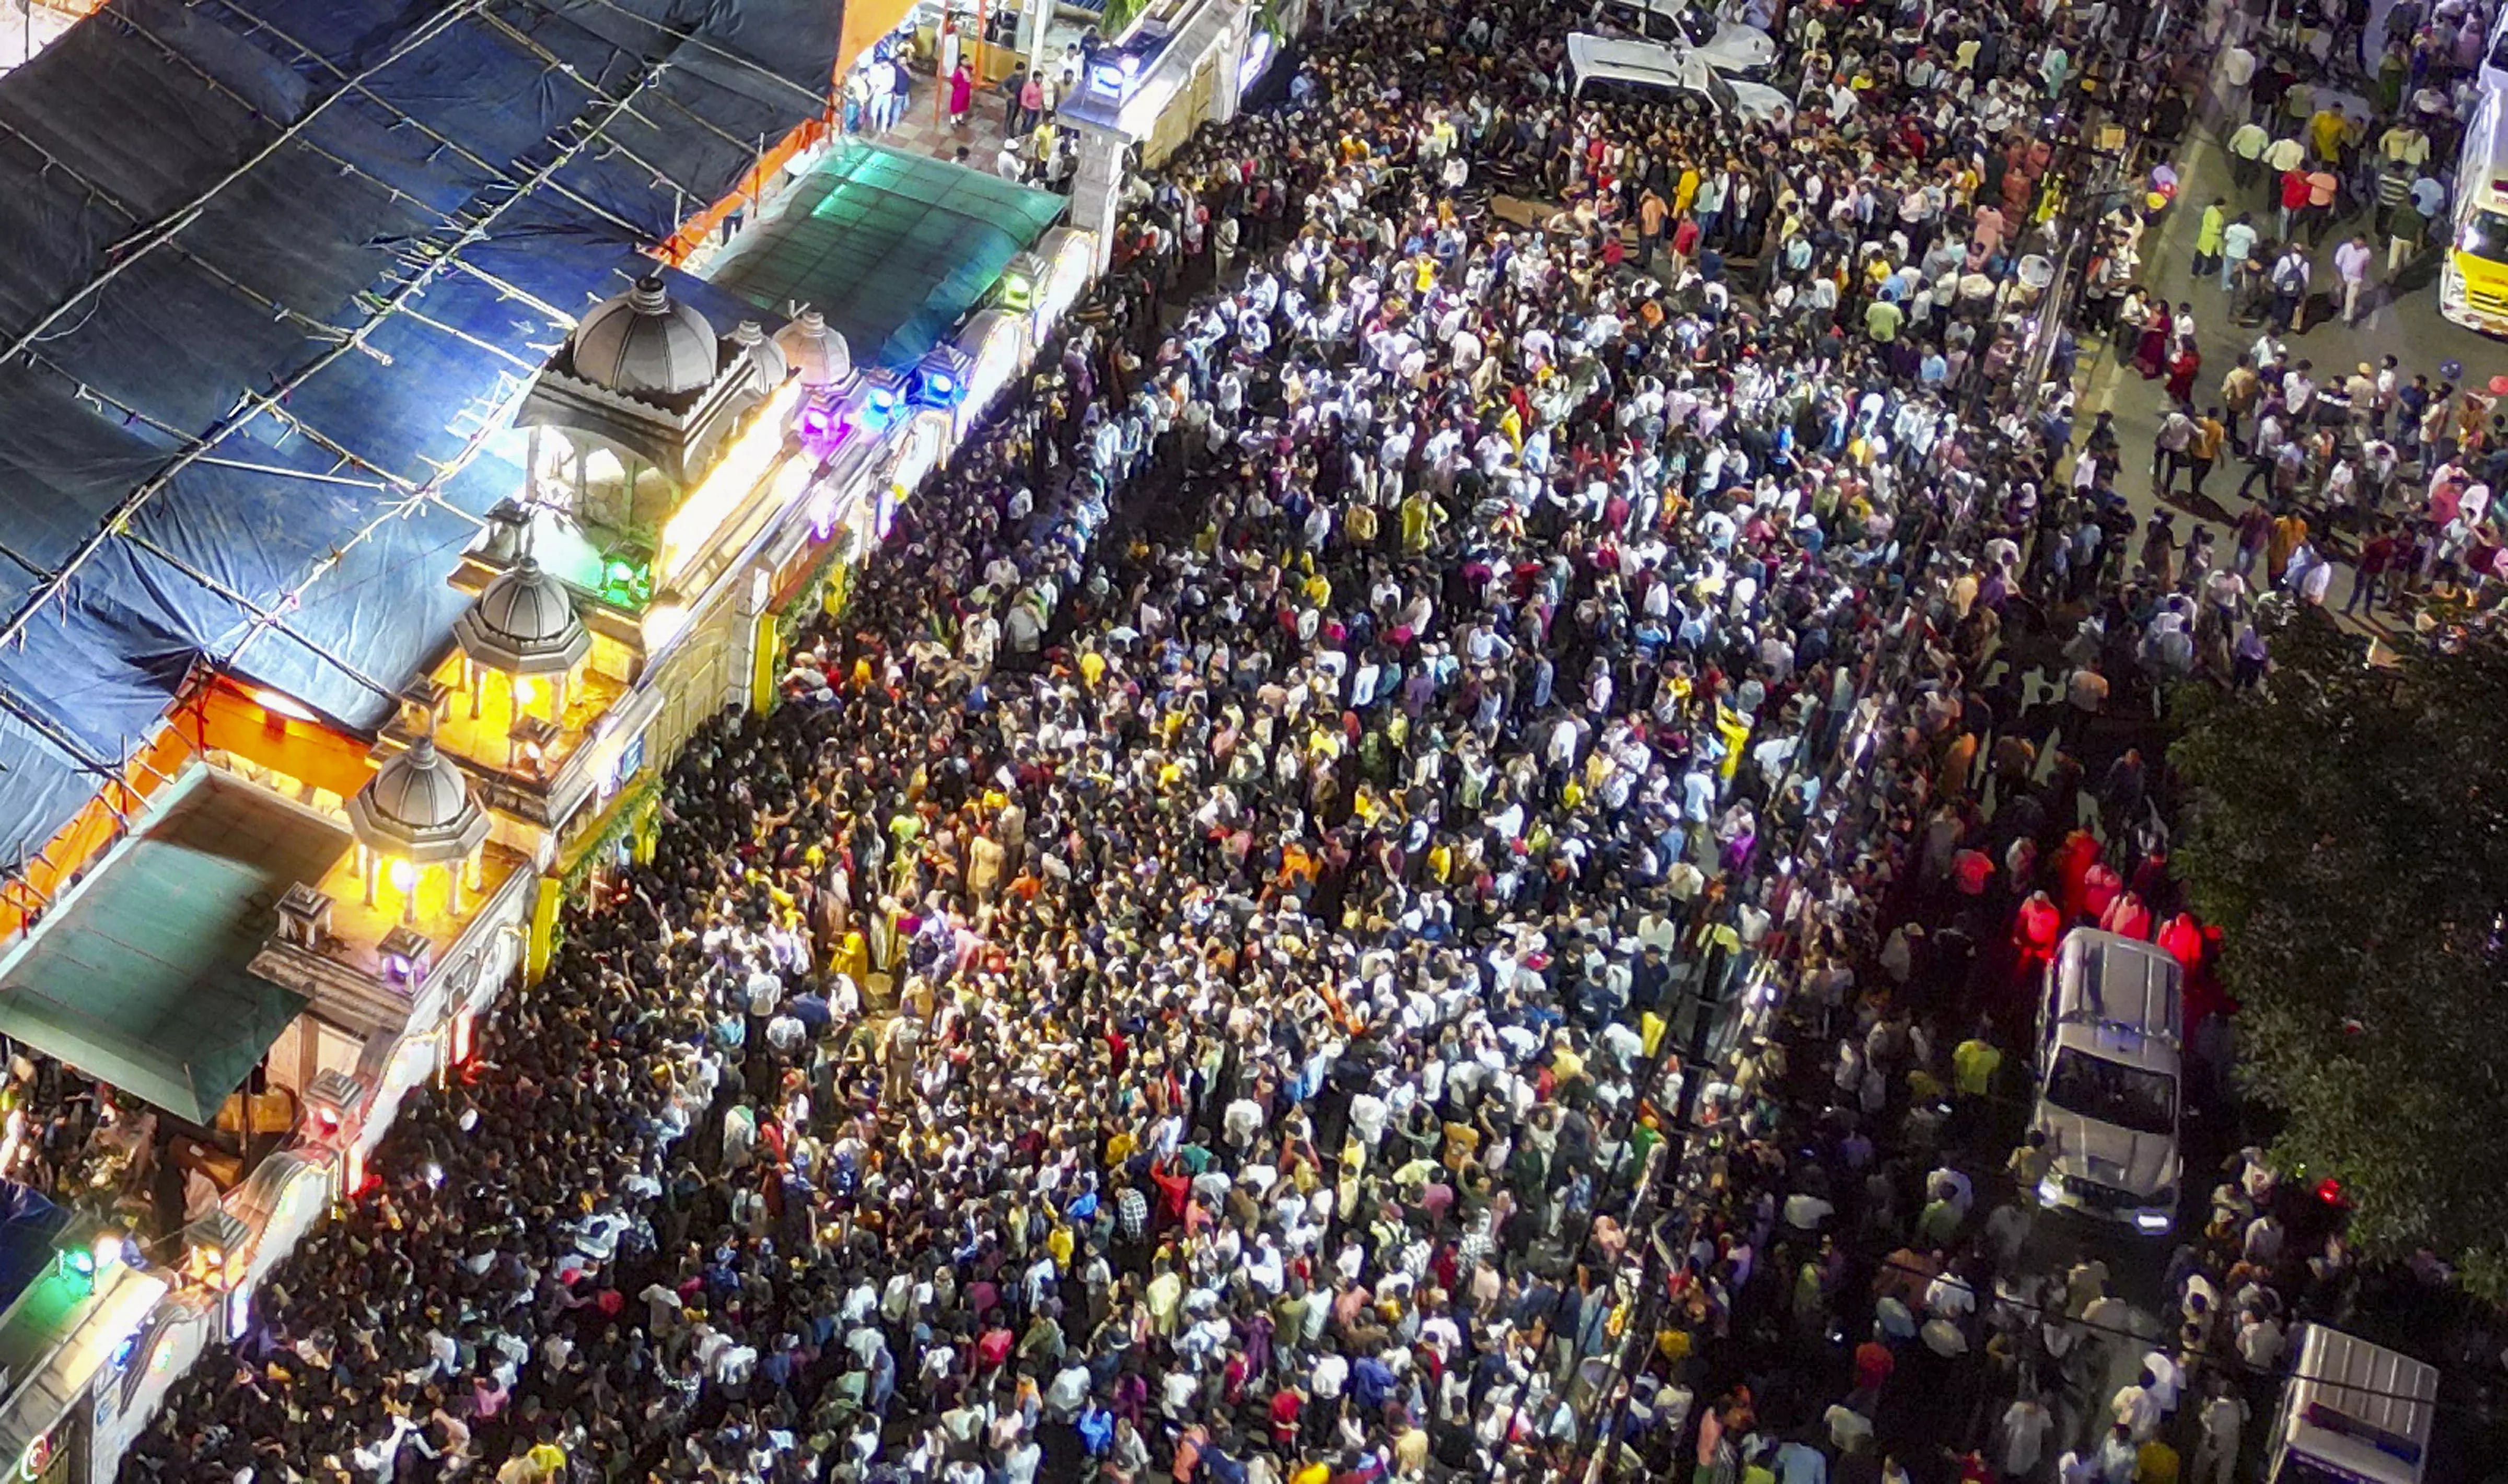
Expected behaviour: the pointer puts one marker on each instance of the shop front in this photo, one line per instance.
(69, 1345)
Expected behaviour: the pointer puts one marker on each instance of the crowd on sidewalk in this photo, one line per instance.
(1196, 975)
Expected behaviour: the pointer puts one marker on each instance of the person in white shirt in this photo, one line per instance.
(2216, 1450)
(2260, 1341)
(2021, 1440)
(2351, 263)
(2164, 1379)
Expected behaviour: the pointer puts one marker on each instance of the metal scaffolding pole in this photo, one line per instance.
(2097, 130)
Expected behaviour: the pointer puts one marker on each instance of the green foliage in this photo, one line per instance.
(1118, 17)
(2349, 834)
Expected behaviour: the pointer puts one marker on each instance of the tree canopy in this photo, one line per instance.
(2349, 832)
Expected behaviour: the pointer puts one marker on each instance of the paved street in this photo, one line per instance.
(2408, 327)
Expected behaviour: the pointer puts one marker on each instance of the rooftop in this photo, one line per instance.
(892, 247)
(488, 740)
(138, 977)
(358, 931)
(254, 440)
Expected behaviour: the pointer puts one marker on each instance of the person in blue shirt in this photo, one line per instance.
(2429, 198)
(1800, 1463)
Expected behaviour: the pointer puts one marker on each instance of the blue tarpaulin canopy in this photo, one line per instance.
(278, 267)
(29, 1224)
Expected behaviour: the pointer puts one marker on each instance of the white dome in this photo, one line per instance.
(417, 807)
(642, 343)
(523, 624)
(764, 355)
(820, 354)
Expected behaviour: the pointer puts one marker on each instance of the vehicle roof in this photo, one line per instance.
(2119, 1043)
(1674, 8)
(1683, 70)
(2490, 182)
(2384, 1400)
(1632, 62)
(2104, 978)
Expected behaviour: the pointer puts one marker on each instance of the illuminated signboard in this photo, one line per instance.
(38, 1456)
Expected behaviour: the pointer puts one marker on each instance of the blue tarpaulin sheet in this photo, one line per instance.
(278, 267)
(29, 1225)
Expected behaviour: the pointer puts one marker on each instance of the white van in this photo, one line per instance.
(2352, 1413)
(2109, 1079)
(1727, 45)
(1644, 72)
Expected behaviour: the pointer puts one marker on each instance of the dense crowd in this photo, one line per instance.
(1206, 970)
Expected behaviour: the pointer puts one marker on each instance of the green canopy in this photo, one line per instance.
(138, 978)
(893, 248)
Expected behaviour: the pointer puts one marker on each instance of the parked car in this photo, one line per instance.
(1645, 72)
(2109, 1081)
(1729, 46)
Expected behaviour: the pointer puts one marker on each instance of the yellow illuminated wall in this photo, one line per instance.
(867, 22)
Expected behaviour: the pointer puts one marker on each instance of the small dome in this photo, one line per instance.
(417, 807)
(820, 354)
(523, 624)
(764, 354)
(645, 345)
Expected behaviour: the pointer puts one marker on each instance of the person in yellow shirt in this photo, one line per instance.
(2154, 1463)
(1735, 729)
(852, 957)
(2327, 130)
(547, 1459)
(1974, 1065)
(1165, 1297)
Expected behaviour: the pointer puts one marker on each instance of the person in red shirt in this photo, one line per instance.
(2295, 192)
(2073, 861)
(2126, 916)
(2099, 888)
(2034, 932)
(1873, 1364)
(1684, 238)
(2183, 940)
(1285, 1403)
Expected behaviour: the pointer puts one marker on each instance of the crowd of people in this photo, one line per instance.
(1285, 932)
(2335, 197)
